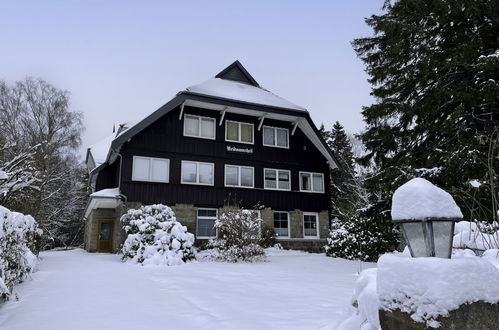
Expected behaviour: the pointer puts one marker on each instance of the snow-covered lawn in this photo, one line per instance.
(79, 290)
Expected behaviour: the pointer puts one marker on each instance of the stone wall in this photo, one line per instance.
(187, 215)
(475, 316)
(309, 245)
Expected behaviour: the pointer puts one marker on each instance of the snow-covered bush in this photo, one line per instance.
(18, 233)
(238, 236)
(360, 238)
(268, 237)
(156, 237)
(476, 235)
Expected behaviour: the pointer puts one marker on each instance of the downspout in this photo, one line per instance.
(122, 197)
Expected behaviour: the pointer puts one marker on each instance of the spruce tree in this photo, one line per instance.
(344, 201)
(434, 70)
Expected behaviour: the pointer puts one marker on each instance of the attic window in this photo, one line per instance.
(201, 127)
(238, 132)
(275, 137)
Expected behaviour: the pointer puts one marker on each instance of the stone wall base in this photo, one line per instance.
(314, 246)
(186, 214)
(475, 316)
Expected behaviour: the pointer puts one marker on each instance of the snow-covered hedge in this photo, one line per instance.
(476, 235)
(17, 240)
(156, 237)
(239, 237)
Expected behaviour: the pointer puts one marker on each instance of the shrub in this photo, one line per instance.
(18, 233)
(268, 237)
(156, 237)
(360, 238)
(238, 236)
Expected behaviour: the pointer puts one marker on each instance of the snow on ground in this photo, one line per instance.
(79, 290)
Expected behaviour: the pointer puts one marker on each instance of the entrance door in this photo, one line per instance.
(105, 236)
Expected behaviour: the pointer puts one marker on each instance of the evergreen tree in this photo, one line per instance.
(344, 200)
(434, 68)
(354, 234)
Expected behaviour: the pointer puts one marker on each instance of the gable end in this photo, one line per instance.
(236, 72)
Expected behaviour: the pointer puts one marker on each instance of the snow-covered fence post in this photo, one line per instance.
(427, 215)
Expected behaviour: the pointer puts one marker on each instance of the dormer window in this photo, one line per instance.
(238, 132)
(275, 137)
(200, 127)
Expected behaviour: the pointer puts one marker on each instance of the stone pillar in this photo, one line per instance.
(118, 232)
(186, 214)
(296, 224)
(324, 224)
(268, 217)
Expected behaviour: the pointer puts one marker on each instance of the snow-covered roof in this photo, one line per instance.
(419, 199)
(234, 90)
(100, 149)
(107, 193)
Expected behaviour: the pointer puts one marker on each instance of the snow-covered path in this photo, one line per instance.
(78, 290)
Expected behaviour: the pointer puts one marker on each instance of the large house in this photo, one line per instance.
(224, 139)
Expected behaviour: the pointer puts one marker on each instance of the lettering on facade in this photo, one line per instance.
(239, 150)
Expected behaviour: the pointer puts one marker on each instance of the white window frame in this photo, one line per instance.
(197, 173)
(239, 132)
(316, 223)
(311, 182)
(275, 135)
(277, 179)
(204, 217)
(150, 159)
(239, 176)
(199, 127)
(289, 227)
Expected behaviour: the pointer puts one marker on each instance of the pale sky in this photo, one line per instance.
(121, 60)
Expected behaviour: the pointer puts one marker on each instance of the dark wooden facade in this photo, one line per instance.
(164, 139)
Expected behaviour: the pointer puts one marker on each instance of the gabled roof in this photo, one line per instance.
(225, 93)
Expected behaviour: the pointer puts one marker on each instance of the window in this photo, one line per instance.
(277, 179)
(206, 223)
(275, 137)
(281, 225)
(312, 182)
(150, 169)
(310, 225)
(239, 176)
(238, 132)
(197, 173)
(201, 127)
